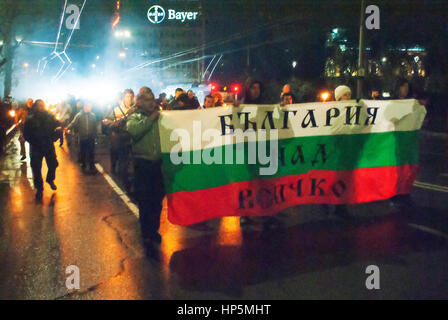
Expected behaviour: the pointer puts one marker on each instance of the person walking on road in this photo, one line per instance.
(85, 123)
(4, 123)
(41, 131)
(149, 188)
(120, 144)
(22, 115)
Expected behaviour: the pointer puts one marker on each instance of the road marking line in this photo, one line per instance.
(429, 230)
(118, 190)
(429, 186)
(10, 130)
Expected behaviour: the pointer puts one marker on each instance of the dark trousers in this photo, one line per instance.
(37, 156)
(61, 139)
(120, 162)
(113, 159)
(87, 152)
(149, 190)
(2, 139)
(22, 145)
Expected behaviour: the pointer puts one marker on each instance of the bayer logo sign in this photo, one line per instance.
(156, 14)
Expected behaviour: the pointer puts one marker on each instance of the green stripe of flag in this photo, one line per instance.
(342, 153)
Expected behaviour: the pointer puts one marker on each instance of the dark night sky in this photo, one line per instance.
(280, 31)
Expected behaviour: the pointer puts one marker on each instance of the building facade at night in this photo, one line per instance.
(162, 39)
(382, 66)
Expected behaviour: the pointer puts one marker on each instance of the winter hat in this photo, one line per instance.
(340, 91)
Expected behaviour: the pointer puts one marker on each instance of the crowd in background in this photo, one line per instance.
(131, 129)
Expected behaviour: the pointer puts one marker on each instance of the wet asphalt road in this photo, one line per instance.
(315, 256)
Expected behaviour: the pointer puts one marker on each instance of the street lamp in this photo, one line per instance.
(294, 64)
(361, 71)
(122, 34)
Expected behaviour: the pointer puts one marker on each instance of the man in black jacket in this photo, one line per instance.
(183, 103)
(194, 103)
(85, 125)
(41, 131)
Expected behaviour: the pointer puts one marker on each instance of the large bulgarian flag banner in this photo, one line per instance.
(259, 160)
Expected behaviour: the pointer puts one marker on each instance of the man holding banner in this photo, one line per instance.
(149, 189)
(260, 160)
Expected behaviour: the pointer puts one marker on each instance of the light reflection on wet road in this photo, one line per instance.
(86, 224)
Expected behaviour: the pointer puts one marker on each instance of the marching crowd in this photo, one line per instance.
(133, 135)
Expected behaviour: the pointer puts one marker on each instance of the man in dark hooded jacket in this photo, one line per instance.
(254, 93)
(41, 132)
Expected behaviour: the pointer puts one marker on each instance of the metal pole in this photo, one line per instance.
(361, 70)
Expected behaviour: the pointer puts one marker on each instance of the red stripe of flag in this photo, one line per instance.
(270, 196)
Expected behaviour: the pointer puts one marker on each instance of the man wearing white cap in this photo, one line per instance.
(342, 93)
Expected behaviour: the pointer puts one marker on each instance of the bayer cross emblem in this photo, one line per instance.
(156, 14)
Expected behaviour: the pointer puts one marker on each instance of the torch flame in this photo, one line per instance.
(116, 21)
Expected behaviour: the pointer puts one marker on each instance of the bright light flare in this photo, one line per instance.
(213, 87)
(123, 34)
(236, 88)
(12, 113)
(324, 96)
(99, 91)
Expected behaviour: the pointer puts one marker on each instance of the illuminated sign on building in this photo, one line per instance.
(156, 15)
